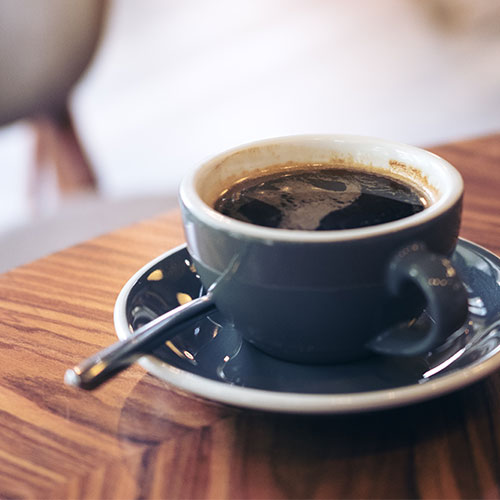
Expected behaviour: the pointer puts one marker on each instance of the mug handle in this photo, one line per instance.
(445, 295)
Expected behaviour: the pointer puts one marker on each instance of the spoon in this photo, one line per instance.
(93, 371)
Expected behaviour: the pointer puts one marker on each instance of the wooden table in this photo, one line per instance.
(135, 437)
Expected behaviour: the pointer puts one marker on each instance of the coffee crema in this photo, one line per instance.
(320, 198)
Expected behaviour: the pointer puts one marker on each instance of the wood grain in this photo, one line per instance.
(136, 437)
(479, 163)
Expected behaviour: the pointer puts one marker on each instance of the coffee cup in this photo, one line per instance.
(329, 295)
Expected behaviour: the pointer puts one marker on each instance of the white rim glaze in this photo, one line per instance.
(449, 179)
(294, 402)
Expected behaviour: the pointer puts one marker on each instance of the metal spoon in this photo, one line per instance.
(93, 371)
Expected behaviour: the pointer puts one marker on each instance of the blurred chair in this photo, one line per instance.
(45, 46)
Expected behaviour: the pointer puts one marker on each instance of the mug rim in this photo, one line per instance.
(193, 202)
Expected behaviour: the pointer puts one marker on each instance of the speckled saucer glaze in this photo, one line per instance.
(209, 358)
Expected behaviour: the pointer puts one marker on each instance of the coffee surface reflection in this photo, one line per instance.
(320, 198)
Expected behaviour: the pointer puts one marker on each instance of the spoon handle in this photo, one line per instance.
(91, 372)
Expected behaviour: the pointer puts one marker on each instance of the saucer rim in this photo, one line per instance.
(296, 402)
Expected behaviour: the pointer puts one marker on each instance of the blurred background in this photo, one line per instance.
(105, 105)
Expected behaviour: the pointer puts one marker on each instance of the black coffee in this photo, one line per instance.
(320, 199)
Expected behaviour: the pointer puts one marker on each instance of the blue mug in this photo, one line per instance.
(337, 295)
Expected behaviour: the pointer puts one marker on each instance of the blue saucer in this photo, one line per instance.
(210, 359)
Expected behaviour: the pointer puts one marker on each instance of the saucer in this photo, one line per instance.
(210, 359)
